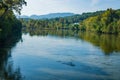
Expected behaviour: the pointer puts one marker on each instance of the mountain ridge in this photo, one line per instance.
(47, 16)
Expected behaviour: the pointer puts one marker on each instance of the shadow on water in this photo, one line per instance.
(7, 71)
(108, 43)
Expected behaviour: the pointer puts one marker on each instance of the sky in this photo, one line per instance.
(41, 7)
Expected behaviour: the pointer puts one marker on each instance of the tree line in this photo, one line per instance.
(107, 22)
(70, 22)
(101, 21)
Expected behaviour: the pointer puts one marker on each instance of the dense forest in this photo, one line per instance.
(70, 22)
(9, 24)
(108, 22)
(101, 21)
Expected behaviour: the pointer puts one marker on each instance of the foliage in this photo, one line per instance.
(10, 33)
(70, 22)
(108, 22)
(9, 25)
(10, 5)
(101, 21)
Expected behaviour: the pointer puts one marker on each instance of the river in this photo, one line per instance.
(64, 55)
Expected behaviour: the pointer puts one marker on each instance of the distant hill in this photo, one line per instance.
(47, 16)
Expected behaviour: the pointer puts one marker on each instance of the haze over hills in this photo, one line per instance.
(47, 16)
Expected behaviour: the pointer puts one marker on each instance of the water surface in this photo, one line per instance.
(67, 55)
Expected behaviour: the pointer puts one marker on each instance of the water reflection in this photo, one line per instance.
(7, 71)
(63, 56)
(60, 55)
(108, 43)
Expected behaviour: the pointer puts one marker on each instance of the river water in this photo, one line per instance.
(65, 55)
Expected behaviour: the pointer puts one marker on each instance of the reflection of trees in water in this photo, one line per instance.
(107, 42)
(60, 33)
(7, 71)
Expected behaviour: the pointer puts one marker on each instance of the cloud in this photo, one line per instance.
(94, 2)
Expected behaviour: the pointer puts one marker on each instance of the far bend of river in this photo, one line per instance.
(66, 55)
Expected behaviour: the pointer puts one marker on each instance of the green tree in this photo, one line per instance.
(10, 5)
(107, 22)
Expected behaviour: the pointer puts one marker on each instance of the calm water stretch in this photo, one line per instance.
(63, 55)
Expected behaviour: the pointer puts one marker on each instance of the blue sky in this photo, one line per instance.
(41, 7)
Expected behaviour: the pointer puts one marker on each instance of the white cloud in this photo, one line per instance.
(94, 2)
